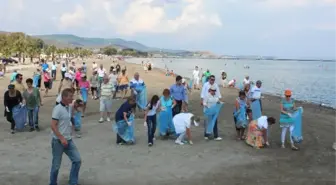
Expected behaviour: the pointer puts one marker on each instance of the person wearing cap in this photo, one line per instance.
(212, 107)
(206, 87)
(84, 87)
(256, 105)
(94, 84)
(12, 98)
(65, 83)
(196, 79)
(179, 94)
(18, 83)
(182, 123)
(287, 108)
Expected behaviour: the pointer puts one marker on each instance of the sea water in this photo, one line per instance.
(311, 81)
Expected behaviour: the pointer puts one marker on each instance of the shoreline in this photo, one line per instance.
(264, 95)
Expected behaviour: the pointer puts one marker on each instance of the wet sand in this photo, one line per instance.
(26, 156)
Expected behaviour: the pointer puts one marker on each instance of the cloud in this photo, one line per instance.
(294, 3)
(147, 16)
(74, 19)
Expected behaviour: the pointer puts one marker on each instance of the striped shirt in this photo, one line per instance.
(106, 91)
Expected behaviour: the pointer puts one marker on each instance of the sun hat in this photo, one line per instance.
(288, 92)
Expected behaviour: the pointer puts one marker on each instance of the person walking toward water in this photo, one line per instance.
(105, 100)
(12, 98)
(179, 94)
(287, 108)
(256, 104)
(167, 103)
(84, 86)
(212, 107)
(32, 99)
(61, 141)
(150, 118)
(123, 83)
(239, 115)
(182, 123)
(196, 79)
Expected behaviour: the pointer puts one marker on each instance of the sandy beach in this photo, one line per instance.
(26, 156)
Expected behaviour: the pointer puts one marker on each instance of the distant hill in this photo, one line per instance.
(76, 41)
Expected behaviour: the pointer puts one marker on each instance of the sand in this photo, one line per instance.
(26, 156)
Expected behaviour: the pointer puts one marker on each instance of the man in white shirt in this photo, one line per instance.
(182, 123)
(94, 66)
(101, 73)
(196, 78)
(206, 87)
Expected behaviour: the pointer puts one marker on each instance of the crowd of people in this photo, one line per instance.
(170, 109)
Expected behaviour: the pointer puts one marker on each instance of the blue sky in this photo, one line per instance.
(284, 28)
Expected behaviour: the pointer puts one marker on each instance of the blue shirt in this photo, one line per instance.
(178, 92)
(125, 107)
(45, 66)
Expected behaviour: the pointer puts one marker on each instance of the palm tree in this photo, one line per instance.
(19, 43)
(5, 45)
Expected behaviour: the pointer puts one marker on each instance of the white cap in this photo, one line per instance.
(183, 80)
(212, 87)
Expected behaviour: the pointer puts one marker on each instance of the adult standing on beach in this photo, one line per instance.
(206, 88)
(45, 66)
(18, 83)
(178, 93)
(12, 98)
(33, 101)
(53, 70)
(256, 104)
(101, 73)
(106, 96)
(62, 142)
(287, 108)
(63, 70)
(136, 86)
(196, 78)
(123, 83)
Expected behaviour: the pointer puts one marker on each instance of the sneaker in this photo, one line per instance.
(12, 132)
(179, 142)
(37, 129)
(31, 129)
(93, 97)
(283, 146)
(206, 138)
(218, 139)
(150, 144)
(108, 119)
(101, 120)
(154, 138)
(78, 135)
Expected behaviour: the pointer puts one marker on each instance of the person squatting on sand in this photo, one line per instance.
(152, 108)
(179, 94)
(61, 141)
(182, 123)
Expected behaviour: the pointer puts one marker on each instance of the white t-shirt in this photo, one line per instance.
(210, 100)
(256, 92)
(205, 90)
(113, 79)
(196, 74)
(101, 72)
(152, 111)
(246, 81)
(182, 122)
(231, 82)
(94, 66)
(262, 122)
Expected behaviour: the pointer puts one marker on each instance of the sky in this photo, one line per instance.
(282, 28)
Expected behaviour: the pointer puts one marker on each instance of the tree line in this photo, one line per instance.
(24, 46)
(109, 50)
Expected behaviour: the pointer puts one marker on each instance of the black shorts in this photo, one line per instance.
(93, 88)
(47, 85)
(39, 83)
(77, 83)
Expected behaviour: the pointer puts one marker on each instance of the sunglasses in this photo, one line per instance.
(288, 96)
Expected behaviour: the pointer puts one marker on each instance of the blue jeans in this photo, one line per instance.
(33, 116)
(73, 154)
(151, 127)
